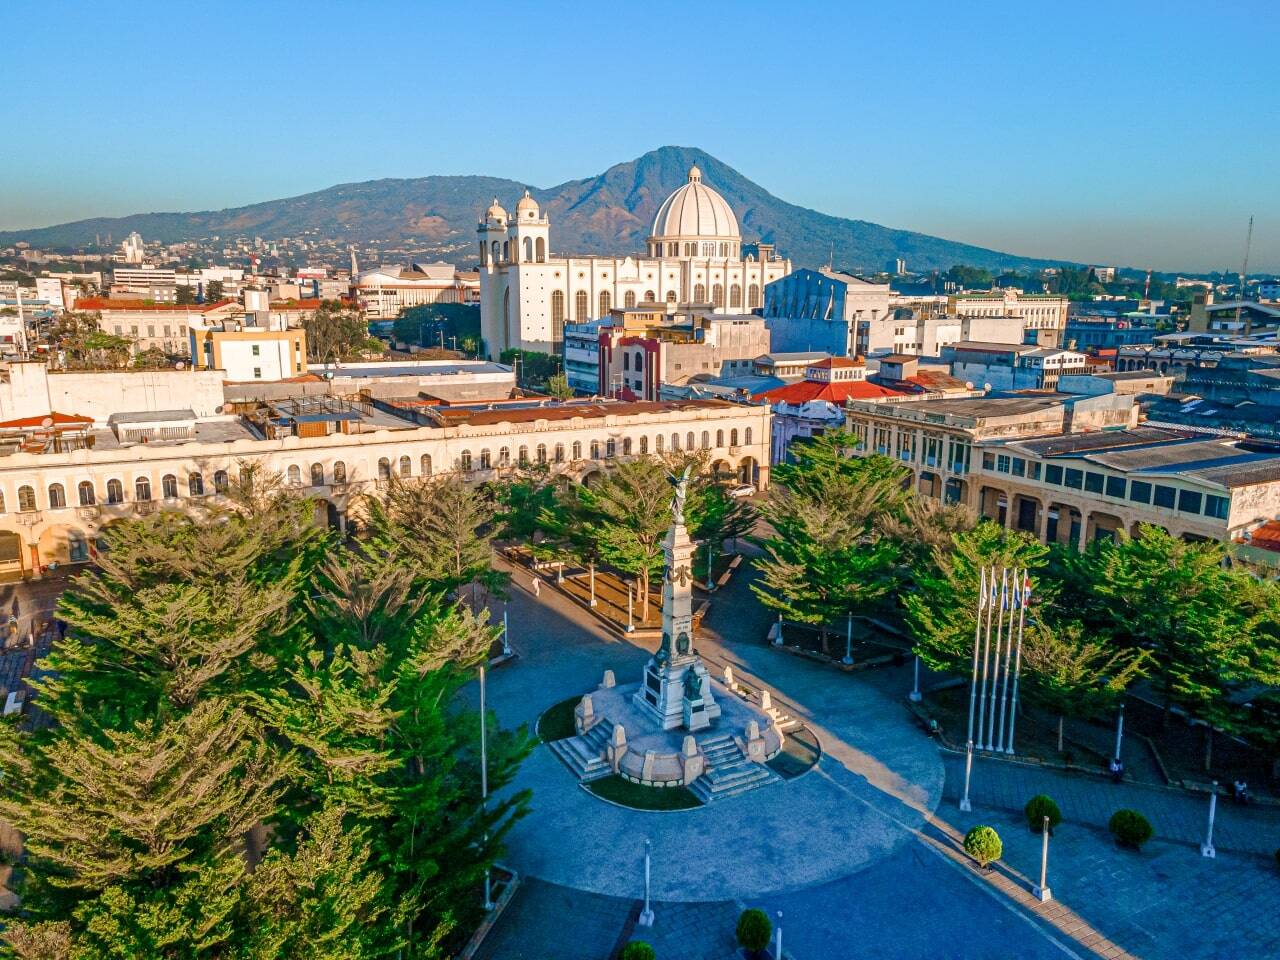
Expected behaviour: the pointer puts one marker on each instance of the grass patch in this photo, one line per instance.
(625, 793)
(800, 751)
(556, 722)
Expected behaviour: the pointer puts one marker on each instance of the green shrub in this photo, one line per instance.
(983, 844)
(754, 930)
(1130, 828)
(637, 950)
(1039, 807)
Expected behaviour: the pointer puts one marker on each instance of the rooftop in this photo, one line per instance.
(152, 416)
(99, 304)
(986, 346)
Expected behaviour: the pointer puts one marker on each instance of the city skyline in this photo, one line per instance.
(1002, 131)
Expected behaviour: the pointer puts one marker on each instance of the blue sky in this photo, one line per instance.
(1140, 133)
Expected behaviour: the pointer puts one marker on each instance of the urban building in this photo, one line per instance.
(1105, 333)
(248, 351)
(1239, 318)
(1003, 366)
(159, 326)
(640, 350)
(144, 283)
(63, 482)
(30, 389)
(829, 312)
(693, 256)
(383, 292)
(1043, 316)
(132, 249)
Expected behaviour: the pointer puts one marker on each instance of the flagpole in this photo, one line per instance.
(977, 635)
(995, 661)
(1017, 660)
(1008, 654)
(986, 657)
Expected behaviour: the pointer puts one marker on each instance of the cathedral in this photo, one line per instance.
(693, 256)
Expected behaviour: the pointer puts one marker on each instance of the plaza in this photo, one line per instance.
(862, 853)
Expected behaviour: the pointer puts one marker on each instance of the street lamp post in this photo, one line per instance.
(506, 632)
(646, 916)
(1041, 890)
(777, 640)
(914, 696)
(711, 584)
(1206, 848)
(631, 599)
(965, 805)
(593, 583)
(484, 789)
(777, 946)
(1119, 730)
(848, 640)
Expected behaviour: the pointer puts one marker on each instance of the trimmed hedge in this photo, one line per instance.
(637, 950)
(1130, 828)
(754, 930)
(983, 844)
(1039, 807)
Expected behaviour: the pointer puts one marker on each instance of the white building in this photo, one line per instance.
(1043, 316)
(384, 291)
(132, 249)
(694, 255)
(830, 312)
(56, 292)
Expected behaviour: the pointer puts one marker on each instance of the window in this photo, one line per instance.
(559, 453)
(485, 459)
(689, 442)
(657, 444)
(1002, 463)
(1164, 496)
(626, 446)
(580, 307)
(257, 373)
(733, 437)
(424, 465)
(26, 499)
(1053, 474)
(85, 490)
(142, 489)
(577, 450)
(1093, 482)
(629, 299)
(699, 293)
(522, 456)
(746, 436)
(557, 314)
(595, 449)
(195, 484)
(1189, 501)
(384, 468)
(58, 496)
(1115, 487)
(610, 448)
(719, 438)
(753, 296)
(257, 350)
(339, 472)
(115, 491)
(706, 439)
(317, 475)
(988, 461)
(464, 461)
(1019, 467)
(540, 453)
(735, 296)
(1073, 478)
(1216, 507)
(294, 474)
(406, 466)
(604, 303)
(504, 456)
(717, 294)
(626, 360)
(644, 445)
(671, 296)
(1139, 491)
(1035, 471)
(649, 297)
(675, 442)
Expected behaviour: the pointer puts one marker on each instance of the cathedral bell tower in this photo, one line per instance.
(493, 236)
(529, 232)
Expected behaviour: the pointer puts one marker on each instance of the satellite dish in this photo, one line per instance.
(180, 365)
(47, 422)
(228, 408)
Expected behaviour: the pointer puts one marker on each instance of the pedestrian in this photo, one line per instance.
(537, 585)
(1117, 770)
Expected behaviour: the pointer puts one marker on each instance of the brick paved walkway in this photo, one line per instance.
(1176, 815)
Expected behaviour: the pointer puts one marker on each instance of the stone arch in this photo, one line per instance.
(748, 470)
(12, 556)
(540, 247)
(63, 544)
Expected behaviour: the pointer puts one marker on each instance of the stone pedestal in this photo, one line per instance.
(584, 716)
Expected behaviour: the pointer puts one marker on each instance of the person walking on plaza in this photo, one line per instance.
(537, 585)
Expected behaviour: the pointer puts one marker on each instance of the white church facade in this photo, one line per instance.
(693, 256)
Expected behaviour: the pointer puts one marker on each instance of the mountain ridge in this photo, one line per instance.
(609, 214)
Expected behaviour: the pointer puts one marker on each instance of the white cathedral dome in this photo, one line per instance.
(695, 212)
(496, 211)
(526, 207)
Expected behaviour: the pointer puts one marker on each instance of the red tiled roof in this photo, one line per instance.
(838, 392)
(1265, 537)
(834, 362)
(100, 304)
(308, 304)
(61, 421)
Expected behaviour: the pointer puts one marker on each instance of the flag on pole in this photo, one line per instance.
(1026, 589)
(982, 592)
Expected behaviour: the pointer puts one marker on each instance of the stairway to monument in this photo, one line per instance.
(584, 754)
(728, 771)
